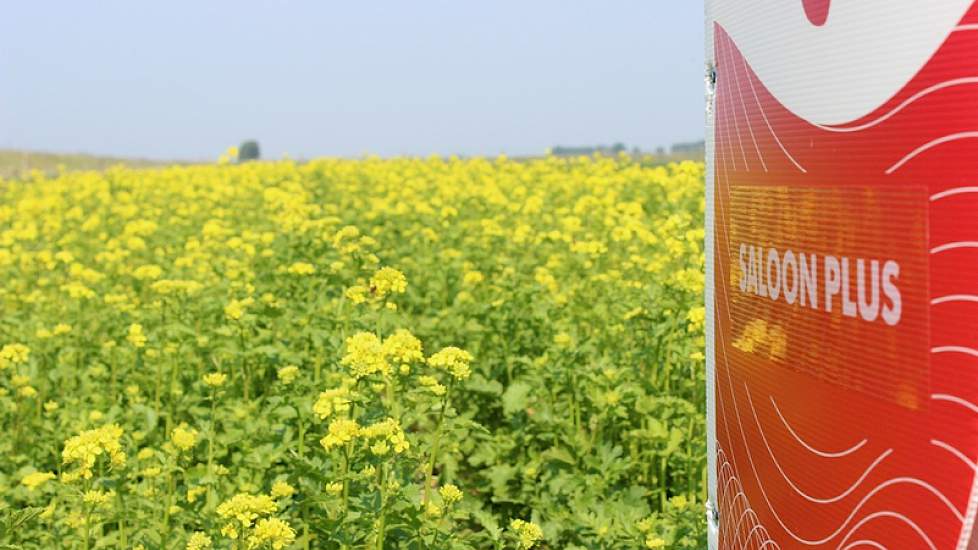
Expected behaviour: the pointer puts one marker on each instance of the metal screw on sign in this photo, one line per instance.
(711, 85)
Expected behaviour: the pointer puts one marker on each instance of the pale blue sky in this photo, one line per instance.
(185, 79)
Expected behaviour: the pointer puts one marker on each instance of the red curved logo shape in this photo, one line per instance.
(817, 11)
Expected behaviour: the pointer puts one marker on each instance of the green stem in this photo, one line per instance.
(210, 447)
(123, 520)
(114, 383)
(381, 521)
(302, 430)
(435, 444)
(88, 527)
(159, 384)
(244, 363)
(346, 475)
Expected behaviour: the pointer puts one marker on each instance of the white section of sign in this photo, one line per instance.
(846, 68)
(712, 508)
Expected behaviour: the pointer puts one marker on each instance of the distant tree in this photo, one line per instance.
(618, 148)
(249, 151)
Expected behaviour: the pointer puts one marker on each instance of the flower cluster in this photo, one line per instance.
(84, 449)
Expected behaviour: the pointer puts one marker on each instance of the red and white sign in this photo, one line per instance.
(843, 273)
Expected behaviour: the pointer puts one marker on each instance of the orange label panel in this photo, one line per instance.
(810, 289)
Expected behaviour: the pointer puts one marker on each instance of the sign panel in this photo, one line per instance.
(842, 200)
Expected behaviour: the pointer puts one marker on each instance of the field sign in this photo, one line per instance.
(842, 273)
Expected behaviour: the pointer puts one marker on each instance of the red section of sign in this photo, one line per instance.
(834, 430)
(817, 11)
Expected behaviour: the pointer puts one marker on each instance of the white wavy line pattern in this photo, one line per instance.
(954, 298)
(930, 145)
(743, 108)
(768, 122)
(812, 449)
(953, 191)
(954, 451)
(955, 349)
(955, 399)
(734, 503)
(953, 246)
(791, 483)
(895, 515)
(922, 93)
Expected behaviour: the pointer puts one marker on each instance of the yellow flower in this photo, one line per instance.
(27, 391)
(391, 432)
(51, 406)
(433, 510)
(198, 541)
(357, 294)
(563, 339)
(273, 532)
(472, 278)
(387, 280)
(403, 347)
(431, 383)
(215, 379)
(85, 448)
(332, 401)
(302, 268)
(147, 272)
(365, 355)
(334, 488)
(97, 498)
(174, 286)
(234, 310)
(136, 336)
(62, 328)
(450, 493)
(36, 479)
(287, 375)
(340, 432)
(230, 531)
(527, 533)
(653, 542)
(281, 489)
(13, 354)
(678, 502)
(380, 448)
(246, 508)
(78, 291)
(19, 380)
(696, 318)
(454, 360)
(183, 437)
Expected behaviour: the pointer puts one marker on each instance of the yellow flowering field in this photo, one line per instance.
(405, 353)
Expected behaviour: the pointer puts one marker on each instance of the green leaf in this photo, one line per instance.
(516, 398)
